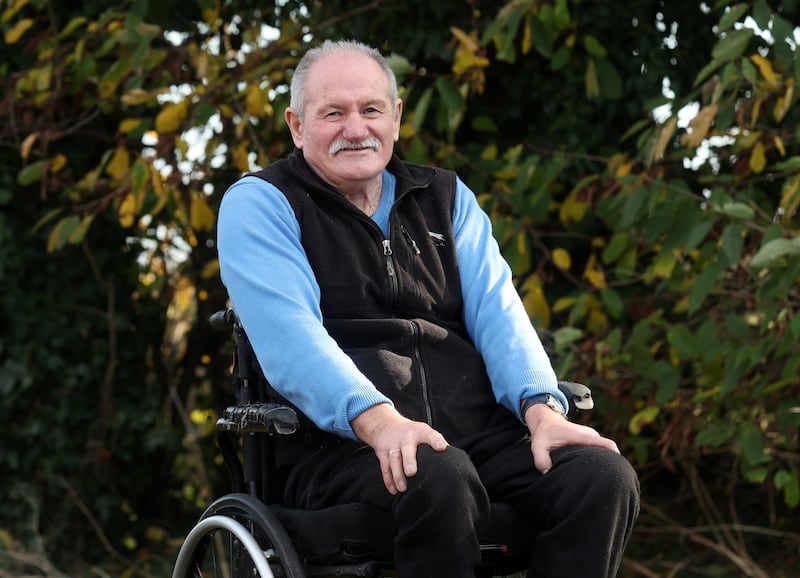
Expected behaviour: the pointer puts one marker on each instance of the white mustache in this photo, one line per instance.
(344, 144)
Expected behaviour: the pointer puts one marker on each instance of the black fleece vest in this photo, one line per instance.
(394, 304)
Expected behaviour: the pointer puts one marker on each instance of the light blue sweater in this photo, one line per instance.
(275, 295)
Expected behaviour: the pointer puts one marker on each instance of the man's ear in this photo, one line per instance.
(295, 126)
(398, 115)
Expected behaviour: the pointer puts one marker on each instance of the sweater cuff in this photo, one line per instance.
(360, 399)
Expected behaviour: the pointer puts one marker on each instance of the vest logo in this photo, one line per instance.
(438, 239)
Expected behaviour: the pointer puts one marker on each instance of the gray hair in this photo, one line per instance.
(314, 55)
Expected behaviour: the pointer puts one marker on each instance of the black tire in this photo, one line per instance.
(216, 547)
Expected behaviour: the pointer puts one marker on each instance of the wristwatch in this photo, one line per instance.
(544, 398)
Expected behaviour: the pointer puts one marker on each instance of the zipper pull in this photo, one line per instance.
(410, 240)
(387, 251)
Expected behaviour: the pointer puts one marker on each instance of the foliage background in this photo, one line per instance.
(641, 165)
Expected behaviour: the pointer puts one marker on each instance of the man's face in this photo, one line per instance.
(350, 125)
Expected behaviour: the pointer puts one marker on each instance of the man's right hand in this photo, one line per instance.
(395, 440)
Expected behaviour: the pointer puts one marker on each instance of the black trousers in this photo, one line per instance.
(583, 509)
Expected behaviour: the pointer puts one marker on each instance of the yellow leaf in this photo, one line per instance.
(13, 7)
(27, 145)
(210, 269)
(561, 259)
(55, 240)
(535, 303)
(527, 37)
(664, 137)
(790, 198)
(210, 16)
(254, 101)
(129, 124)
(157, 180)
(57, 163)
(700, 126)
(136, 96)
(572, 210)
(120, 163)
(643, 418)
(127, 211)
(16, 32)
(201, 217)
(663, 265)
(785, 101)
(468, 41)
(590, 80)
(779, 145)
(593, 274)
(170, 117)
(758, 160)
(765, 66)
(240, 156)
(564, 303)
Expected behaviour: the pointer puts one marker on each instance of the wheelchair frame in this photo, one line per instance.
(249, 533)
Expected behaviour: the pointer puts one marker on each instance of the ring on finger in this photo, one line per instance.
(394, 451)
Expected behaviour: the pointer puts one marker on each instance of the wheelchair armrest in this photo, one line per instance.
(578, 395)
(259, 417)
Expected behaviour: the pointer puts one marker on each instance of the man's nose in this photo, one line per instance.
(355, 128)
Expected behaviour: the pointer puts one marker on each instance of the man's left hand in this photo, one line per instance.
(550, 430)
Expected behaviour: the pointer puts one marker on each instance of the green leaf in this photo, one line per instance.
(706, 71)
(789, 482)
(756, 475)
(633, 207)
(421, 109)
(451, 96)
(732, 243)
(736, 210)
(613, 302)
(703, 285)
(610, 79)
(732, 45)
(773, 250)
(698, 234)
(615, 247)
(79, 232)
(731, 17)
(30, 174)
(566, 336)
(715, 436)
(751, 444)
(789, 165)
(593, 46)
(683, 341)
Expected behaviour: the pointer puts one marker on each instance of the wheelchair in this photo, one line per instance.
(251, 533)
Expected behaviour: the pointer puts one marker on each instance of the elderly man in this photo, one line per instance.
(379, 305)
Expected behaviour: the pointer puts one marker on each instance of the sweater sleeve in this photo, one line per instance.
(496, 320)
(276, 297)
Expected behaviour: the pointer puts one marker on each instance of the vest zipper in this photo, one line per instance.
(410, 240)
(387, 252)
(423, 376)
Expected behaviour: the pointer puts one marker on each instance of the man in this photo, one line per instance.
(377, 302)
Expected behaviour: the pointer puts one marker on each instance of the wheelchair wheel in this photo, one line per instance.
(238, 537)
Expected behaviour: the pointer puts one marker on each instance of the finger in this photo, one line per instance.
(409, 460)
(397, 467)
(387, 474)
(541, 459)
(437, 441)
